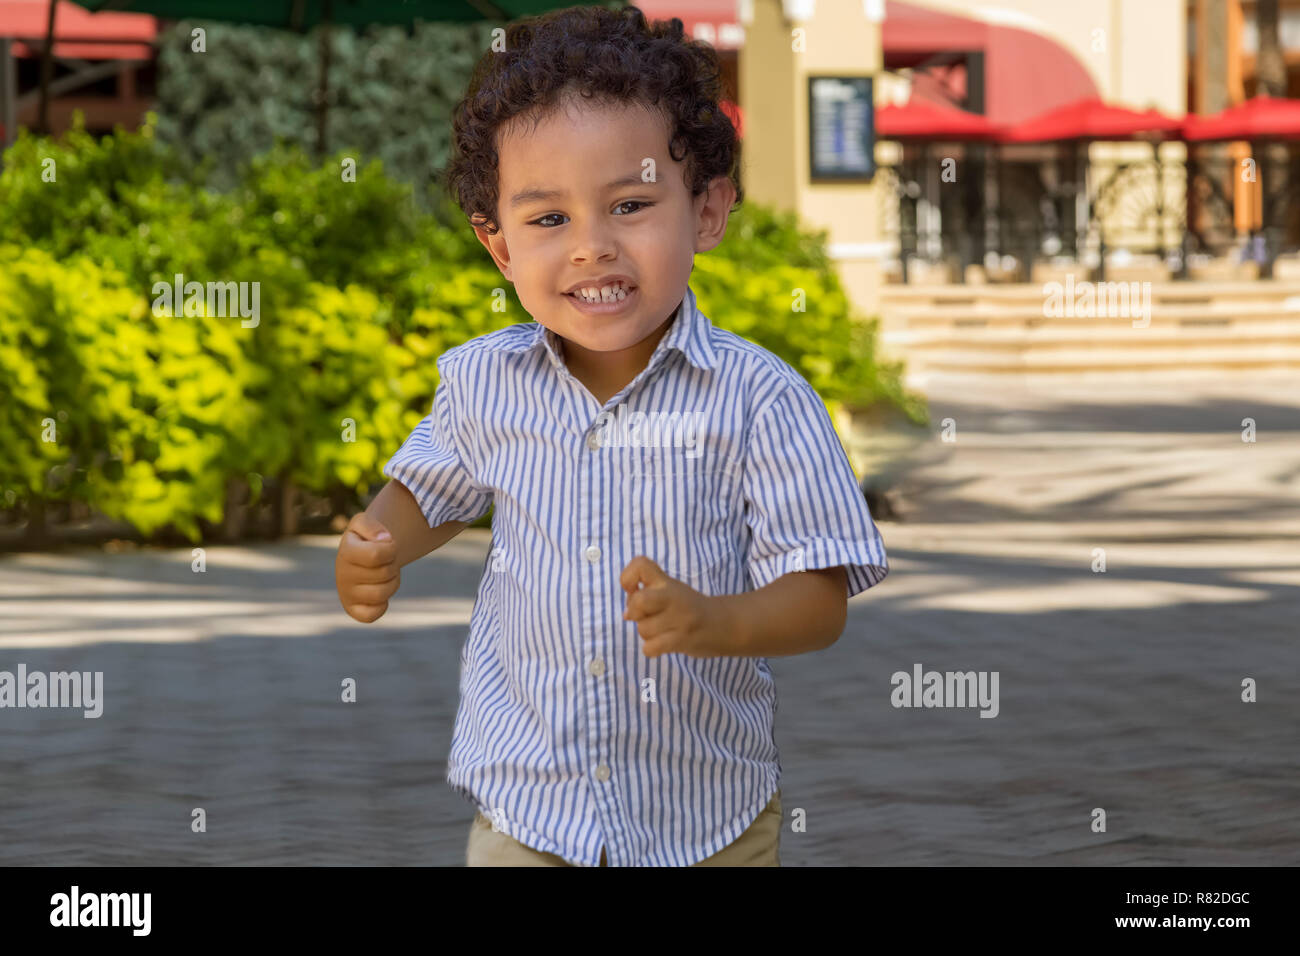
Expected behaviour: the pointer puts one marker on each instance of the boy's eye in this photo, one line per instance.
(627, 202)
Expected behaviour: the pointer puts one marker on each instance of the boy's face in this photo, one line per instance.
(590, 226)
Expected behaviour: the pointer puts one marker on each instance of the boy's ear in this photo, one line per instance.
(713, 207)
(497, 248)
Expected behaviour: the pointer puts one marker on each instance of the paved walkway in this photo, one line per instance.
(1118, 690)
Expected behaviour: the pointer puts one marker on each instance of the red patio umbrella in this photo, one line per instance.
(1091, 119)
(923, 119)
(1260, 118)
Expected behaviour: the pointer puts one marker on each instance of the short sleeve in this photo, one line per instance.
(433, 466)
(803, 504)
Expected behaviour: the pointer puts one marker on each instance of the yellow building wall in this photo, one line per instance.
(837, 39)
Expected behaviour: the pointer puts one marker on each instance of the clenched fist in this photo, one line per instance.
(366, 571)
(674, 618)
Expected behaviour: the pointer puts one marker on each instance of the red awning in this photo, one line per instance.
(1091, 119)
(923, 119)
(1264, 117)
(78, 33)
(1025, 72)
(716, 22)
(922, 31)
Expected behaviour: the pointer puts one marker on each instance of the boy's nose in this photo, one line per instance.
(591, 243)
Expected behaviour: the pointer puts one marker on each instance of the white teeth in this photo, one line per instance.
(610, 293)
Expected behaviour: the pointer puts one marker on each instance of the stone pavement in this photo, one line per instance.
(1118, 690)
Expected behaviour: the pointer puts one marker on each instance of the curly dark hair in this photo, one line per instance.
(608, 55)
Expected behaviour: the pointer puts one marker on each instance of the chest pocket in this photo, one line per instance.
(683, 513)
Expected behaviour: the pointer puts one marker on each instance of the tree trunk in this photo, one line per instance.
(338, 501)
(288, 510)
(35, 535)
(47, 72)
(233, 520)
(322, 91)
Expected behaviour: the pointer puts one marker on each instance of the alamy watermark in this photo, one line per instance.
(622, 429)
(947, 689)
(1092, 300)
(55, 689)
(75, 908)
(215, 299)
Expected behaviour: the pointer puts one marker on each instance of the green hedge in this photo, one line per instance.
(391, 93)
(143, 408)
(157, 415)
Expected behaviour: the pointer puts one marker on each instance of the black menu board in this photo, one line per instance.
(841, 128)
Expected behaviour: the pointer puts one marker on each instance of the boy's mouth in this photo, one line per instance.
(594, 295)
(604, 301)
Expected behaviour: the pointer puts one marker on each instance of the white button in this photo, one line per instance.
(593, 441)
(597, 667)
(593, 554)
(602, 772)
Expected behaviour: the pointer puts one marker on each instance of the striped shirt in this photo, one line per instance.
(719, 462)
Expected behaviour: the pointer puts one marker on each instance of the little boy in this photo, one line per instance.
(672, 504)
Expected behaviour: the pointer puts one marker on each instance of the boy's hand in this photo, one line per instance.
(365, 570)
(672, 617)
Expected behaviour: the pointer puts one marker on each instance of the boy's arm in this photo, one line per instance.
(798, 612)
(398, 511)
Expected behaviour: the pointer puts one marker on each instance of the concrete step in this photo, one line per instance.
(1202, 359)
(1003, 329)
(1035, 315)
(1086, 338)
(1190, 293)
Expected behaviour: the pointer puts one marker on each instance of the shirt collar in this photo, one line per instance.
(689, 334)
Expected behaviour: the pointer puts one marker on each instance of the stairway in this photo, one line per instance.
(1195, 328)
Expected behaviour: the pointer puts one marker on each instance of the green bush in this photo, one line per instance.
(772, 282)
(351, 378)
(147, 410)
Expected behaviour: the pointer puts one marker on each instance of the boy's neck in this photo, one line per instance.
(605, 374)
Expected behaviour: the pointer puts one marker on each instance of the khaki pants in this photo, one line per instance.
(757, 846)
